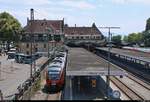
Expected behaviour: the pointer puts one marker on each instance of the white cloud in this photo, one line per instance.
(77, 4)
(131, 1)
(38, 2)
(25, 2)
(119, 1)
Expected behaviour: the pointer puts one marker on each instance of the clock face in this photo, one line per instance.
(116, 94)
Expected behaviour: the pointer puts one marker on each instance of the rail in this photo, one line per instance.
(126, 89)
(131, 59)
(128, 66)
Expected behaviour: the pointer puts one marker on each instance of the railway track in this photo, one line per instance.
(139, 81)
(132, 95)
(137, 73)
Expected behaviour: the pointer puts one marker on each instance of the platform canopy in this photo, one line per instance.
(84, 63)
(142, 56)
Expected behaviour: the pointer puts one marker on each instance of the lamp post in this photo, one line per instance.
(31, 30)
(109, 49)
(49, 30)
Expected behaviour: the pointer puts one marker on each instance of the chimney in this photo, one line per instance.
(32, 14)
(93, 25)
(75, 25)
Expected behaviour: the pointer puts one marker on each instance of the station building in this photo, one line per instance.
(81, 35)
(42, 35)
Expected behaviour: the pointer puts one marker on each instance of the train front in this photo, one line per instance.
(54, 78)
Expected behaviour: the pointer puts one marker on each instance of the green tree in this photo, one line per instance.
(146, 34)
(125, 38)
(147, 25)
(135, 38)
(117, 39)
(146, 38)
(9, 27)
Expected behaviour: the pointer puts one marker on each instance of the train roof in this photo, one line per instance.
(57, 64)
(57, 60)
(61, 54)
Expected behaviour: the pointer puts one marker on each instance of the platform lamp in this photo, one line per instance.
(49, 31)
(109, 49)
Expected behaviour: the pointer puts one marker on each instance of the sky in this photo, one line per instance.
(129, 15)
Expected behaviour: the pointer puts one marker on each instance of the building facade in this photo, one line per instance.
(41, 35)
(44, 35)
(83, 35)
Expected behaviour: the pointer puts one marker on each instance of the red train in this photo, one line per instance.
(55, 74)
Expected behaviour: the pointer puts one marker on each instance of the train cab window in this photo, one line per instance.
(54, 75)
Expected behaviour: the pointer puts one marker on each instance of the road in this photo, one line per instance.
(12, 75)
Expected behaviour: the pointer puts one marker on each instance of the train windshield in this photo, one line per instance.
(54, 75)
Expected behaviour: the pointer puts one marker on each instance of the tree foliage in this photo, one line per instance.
(117, 39)
(147, 25)
(146, 34)
(125, 38)
(135, 38)
(9, 26)
(146, 38)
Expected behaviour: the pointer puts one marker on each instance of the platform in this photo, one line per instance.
(84, 63)
(134, 54)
